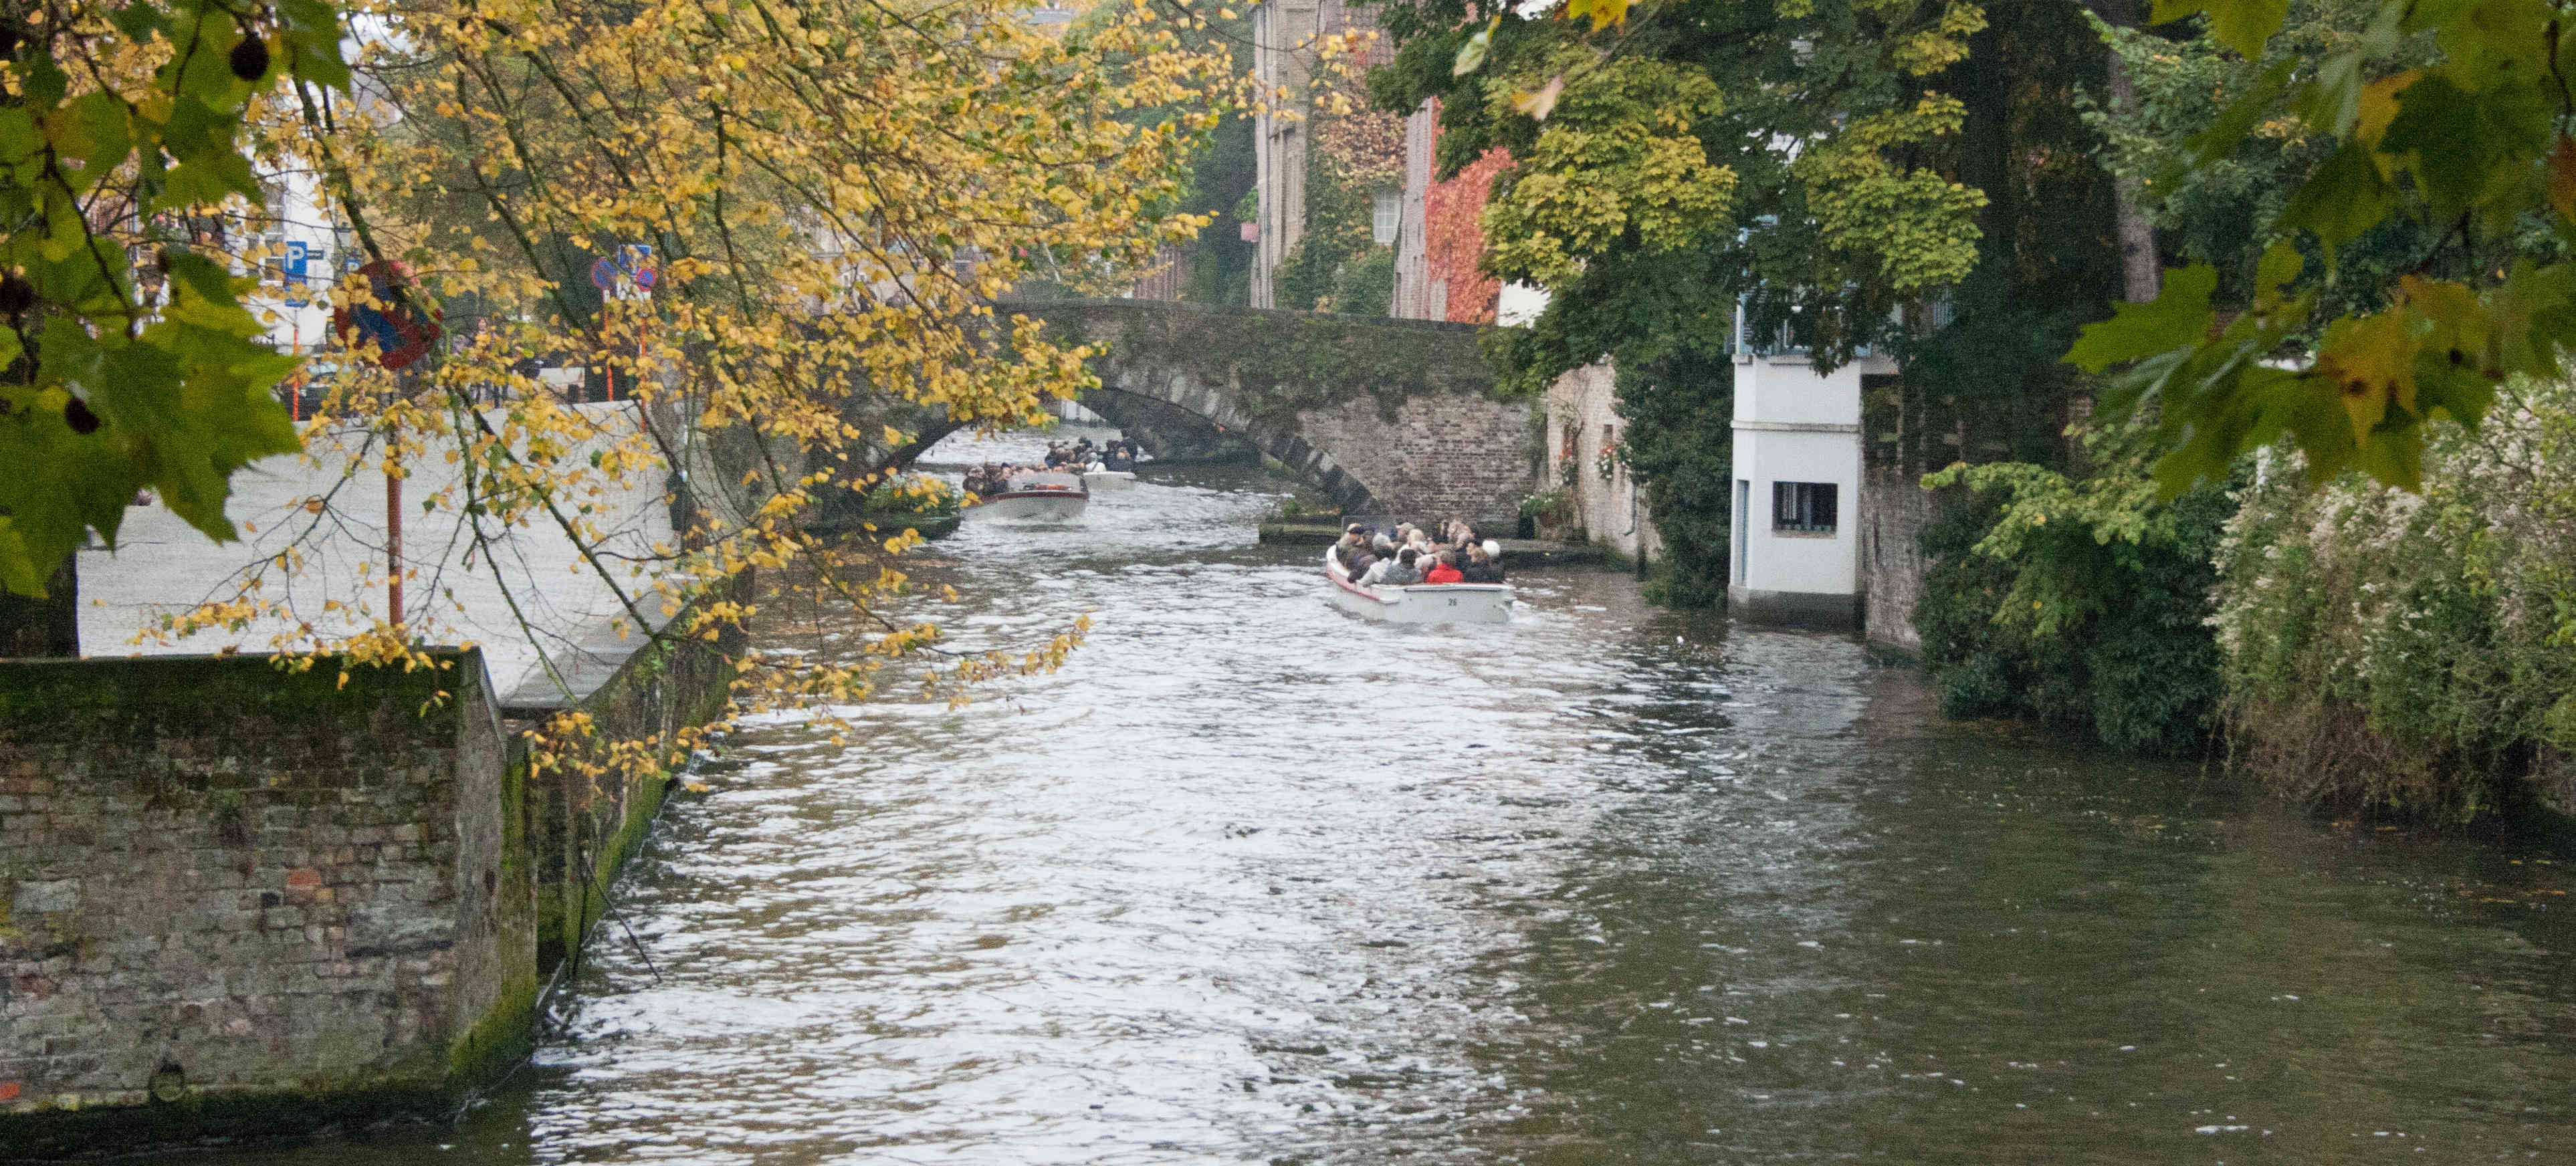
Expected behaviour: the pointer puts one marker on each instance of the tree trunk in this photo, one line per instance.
(2140, 274)
(48, 626)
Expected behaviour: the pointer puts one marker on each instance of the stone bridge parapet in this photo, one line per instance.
(1394, 417)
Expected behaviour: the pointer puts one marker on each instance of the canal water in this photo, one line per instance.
(1249, 881)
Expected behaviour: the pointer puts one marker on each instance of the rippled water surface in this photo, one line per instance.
(1249, 881)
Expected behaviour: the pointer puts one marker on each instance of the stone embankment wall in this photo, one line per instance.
(235, 895)
(583, 826)
(236, 900)
(1437, 458)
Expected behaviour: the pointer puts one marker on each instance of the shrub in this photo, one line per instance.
(2076, 601)
(2412, 653)
(1680, 444)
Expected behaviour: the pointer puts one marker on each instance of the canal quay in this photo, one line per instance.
(1249, 880)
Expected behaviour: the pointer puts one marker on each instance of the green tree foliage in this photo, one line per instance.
(2077, 600)
(2412, 653)
(2446, 120)
(2227, 212)
(1761, 137)
(1680, 447)
(131, 362)
(1849, 159)
(1217, 260)
(1221, 178)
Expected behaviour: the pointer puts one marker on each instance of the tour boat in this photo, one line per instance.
(1108, 481)
(1422, 602)
(1046, 497)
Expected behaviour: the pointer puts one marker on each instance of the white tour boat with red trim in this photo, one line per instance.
(1045, 497)
(1422, 602)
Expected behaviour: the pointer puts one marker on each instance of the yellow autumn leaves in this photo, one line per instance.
(1618, 155)
(833, 194)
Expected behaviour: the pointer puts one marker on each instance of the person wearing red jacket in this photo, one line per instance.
(1445, 570)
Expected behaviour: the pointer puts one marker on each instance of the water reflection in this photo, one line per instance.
(1251, 881)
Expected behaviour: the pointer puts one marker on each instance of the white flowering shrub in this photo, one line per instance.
(2412, 653)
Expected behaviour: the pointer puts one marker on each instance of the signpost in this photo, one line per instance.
(402, 334)
(627, 275)
(299, 258)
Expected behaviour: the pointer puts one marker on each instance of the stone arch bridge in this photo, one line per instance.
(1389, 417)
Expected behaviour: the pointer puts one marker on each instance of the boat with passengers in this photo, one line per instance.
(1419, 602)
(1039, 496)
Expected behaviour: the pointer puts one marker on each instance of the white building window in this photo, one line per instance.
(1805, 507)
(1386, 215)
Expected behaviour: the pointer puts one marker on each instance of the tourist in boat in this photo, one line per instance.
(1396, 572)
(1345, 546)
(1357, 558)
(1444, 569)
(1483, 566)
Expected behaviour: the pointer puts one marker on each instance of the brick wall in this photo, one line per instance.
(1436, 457)
(1907, 432)
(237, 898)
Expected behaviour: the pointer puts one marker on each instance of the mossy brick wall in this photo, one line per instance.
(235, 898)
(582, 826)
(1397, 417)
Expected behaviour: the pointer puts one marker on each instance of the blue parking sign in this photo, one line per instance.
(299, 257)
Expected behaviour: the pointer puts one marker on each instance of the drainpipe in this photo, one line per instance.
(1632, 528)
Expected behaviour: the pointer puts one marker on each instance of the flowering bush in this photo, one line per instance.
(2413, 653)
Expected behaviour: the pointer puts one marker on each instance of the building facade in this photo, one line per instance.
(1600, 501)
(1295, 132)
(1794, 531)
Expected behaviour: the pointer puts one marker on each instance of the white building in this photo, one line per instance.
(302, 256)
(1794, 556)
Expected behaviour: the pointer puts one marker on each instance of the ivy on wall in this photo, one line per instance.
(1284, 362)
(1337, 265)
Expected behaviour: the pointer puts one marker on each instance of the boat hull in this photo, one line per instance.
(1422, 604)
(1108, 481)
(1048, 506)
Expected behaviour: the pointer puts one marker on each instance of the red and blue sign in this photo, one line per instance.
(400, 333)
(631, 268)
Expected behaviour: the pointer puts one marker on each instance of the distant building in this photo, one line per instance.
(1438, 241)
(1287, 36)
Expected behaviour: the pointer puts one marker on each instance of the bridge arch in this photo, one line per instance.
(1385, 416)
(1218, 409)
